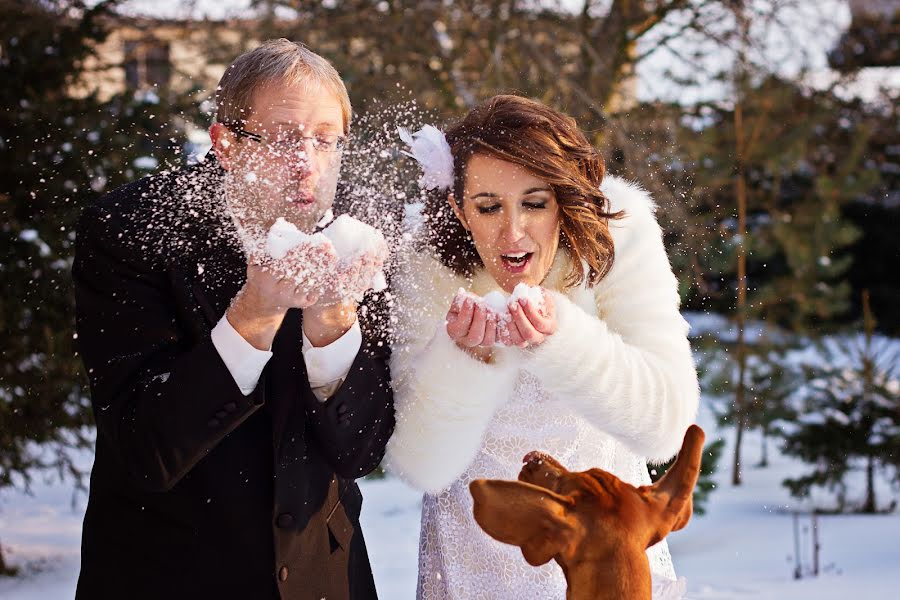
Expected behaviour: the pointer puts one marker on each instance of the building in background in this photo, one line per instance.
(165, 59)
(160, 57)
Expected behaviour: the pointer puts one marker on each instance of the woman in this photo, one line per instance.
(601, 375)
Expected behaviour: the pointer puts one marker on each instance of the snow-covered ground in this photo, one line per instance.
(742, 548)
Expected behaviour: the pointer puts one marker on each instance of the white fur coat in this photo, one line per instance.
(620, 355)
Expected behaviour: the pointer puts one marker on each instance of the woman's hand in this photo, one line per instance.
(472, 327)
(530, 325)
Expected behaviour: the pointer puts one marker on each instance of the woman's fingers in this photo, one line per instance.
(510, 336)
(542, 319)
(458, 300)
(490, 331)
(472, 324)
(529, 334)
(459, 321)
(476, 330)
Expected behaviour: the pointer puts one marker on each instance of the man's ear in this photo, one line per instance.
(222, 144)
(673, 494)
(457, 211)
(537, 520)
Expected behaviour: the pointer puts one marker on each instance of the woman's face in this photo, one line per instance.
(513, 218)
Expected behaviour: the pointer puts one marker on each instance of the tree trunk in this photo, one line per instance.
(870, 506)
(816, 546)
(4, 568)
(739, 434)
(740, 181)
(764, 460)
(868, 375)
(740, 408)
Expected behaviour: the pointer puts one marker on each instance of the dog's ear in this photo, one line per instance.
(525, 515)
(673, 494)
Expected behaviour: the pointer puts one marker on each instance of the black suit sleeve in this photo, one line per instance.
(162, 397)
(353, 426)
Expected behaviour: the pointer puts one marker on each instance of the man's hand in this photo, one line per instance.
(356, 276)
(314, 269)
(325, 323)
(259, 308)
(335, 280)
(271, 289)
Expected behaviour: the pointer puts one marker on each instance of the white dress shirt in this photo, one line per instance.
(326, 366)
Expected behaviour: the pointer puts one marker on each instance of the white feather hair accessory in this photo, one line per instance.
(430, 149)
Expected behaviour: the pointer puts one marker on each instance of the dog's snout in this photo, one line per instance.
(540, 460)
(541, 469)
(534, 457)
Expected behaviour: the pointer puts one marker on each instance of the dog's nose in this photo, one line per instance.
(534, 457)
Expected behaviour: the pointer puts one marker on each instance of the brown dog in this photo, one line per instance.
(596, 526)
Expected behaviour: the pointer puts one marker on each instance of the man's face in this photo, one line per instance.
(292, 171)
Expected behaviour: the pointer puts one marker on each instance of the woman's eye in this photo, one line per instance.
(536, 204)
(485, 210)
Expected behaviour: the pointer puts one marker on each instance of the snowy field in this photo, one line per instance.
(742, 548)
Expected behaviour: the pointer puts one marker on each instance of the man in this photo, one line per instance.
(233, 408)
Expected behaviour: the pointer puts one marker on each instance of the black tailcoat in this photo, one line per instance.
(198, 491)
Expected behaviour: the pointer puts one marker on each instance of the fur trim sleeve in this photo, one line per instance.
(629, 369)
(444, 399)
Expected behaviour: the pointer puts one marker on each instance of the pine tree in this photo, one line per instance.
(804, 159)
(850, 418)
(877, 212)
(57, 153)
(770, 380)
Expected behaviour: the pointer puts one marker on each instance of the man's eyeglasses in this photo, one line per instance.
(321, 142)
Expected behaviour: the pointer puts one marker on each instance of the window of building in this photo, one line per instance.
(147, 64)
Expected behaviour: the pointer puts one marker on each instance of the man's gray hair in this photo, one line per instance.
(275, 61)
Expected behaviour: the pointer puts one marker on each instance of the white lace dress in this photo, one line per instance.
(458, 560)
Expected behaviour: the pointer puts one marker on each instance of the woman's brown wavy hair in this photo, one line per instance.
(550, 145)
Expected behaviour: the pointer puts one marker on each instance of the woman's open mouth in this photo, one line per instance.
(516, 262)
